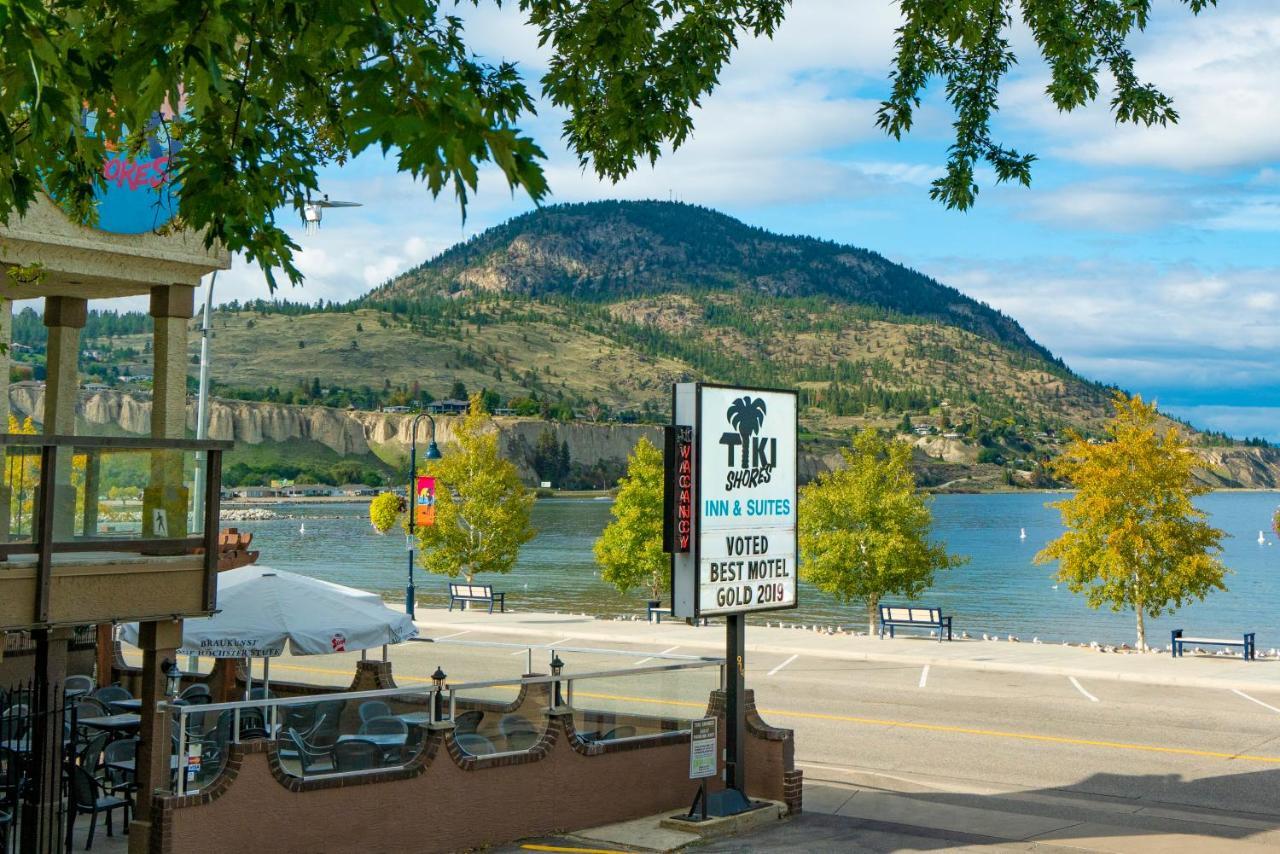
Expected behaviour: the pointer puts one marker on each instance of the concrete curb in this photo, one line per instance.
(584, 630)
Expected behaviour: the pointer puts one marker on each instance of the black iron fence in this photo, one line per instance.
(38, 737)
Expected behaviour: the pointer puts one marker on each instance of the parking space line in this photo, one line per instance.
(924, 676)
(454, 635)
(1255, 700)
(783, 664)
(525, 651)
(1081, 689)
(650, 658)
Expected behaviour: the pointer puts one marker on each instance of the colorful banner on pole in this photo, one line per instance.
(424, 501)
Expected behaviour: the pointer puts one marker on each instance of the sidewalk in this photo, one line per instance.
(1213, 672)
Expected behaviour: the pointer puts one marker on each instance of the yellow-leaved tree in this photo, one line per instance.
(629, 550)
(1135, 539)
(864, 528)
(482, 508)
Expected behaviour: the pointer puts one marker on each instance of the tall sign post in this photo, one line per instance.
(730, 500)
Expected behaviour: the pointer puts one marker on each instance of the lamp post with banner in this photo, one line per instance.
(422, 499)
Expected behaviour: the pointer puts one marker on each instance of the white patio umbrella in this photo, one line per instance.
(261, 609)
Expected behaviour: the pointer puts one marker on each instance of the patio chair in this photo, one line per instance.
(302, 719)
(80, 683)
(384, 726)
(111, 693)
(91, 753)
(357, 755)
(519, 732)
(88, 796)
(310, 757)
(89, 707)
(468, 721)
(116, 780)
(476, 745)
(197, 690)
(371, 709)
(13, 723)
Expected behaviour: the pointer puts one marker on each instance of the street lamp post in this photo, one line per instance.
(432, 453)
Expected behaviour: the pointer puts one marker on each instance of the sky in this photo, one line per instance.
(1147, 258)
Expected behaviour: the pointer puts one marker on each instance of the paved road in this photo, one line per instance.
(970, 751)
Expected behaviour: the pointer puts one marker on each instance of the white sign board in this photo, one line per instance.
(702, 748)
(745, 499)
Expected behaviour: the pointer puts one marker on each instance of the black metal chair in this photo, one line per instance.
(88, 796)
(197, 690)
(92, 752)
(356, 754)
(468, 721)
(118, 780)
(78, 684)
(371, 709)
(309, 756)
(519, 732)
(110, 693)
(476, 745)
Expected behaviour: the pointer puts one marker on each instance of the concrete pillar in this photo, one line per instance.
(165, 501)
(159, 641)
(64, 317)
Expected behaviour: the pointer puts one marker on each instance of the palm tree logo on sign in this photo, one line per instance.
(757, 454)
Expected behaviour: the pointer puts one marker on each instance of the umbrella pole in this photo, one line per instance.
(248, 676)
(266, 677)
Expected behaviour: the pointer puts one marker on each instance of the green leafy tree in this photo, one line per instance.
(629, 550)
(1135, 540)
(546, 456)
(864, 528)
(482, 508)
(273, 92)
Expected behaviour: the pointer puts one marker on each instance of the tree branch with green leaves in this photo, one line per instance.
(272, 92)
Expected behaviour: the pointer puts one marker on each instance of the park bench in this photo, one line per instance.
(1245, 643)
(656, 612)
(892, 616)
(482, 593)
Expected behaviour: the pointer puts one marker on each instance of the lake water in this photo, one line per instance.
(999, 591)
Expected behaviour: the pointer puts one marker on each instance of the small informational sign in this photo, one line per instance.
(195, 757)
(702, 749)
(743, 498)
(159, 522)
(424, 501)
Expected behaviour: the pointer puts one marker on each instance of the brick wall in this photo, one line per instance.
(445, 800)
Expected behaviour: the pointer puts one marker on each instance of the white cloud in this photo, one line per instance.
(1219, 67)
(1239, 421)
(1138, 324)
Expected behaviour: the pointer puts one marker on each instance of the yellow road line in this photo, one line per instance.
(959, 730)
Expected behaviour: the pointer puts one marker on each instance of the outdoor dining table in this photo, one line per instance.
(133, 704)
(416, 718)
(115, 724)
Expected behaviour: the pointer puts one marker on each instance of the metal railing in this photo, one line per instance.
(560, 695)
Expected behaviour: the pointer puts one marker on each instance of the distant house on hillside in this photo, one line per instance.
(448, 407)
(307, 490)
(357, 489)
(395, 410)
(257, 492)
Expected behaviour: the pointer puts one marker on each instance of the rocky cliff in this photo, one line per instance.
(358, 433)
